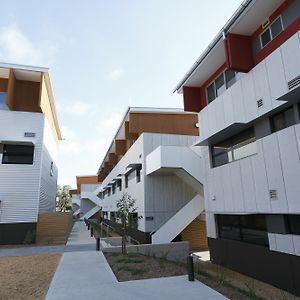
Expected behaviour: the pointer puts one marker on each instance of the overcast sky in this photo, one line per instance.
(105, 55)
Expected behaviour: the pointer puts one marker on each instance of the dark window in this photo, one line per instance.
(283, 119)
(18, 154)
(246, 228)
(237, 147)
(220, 85)
(211, 95)
(265, 38)
(126, 181)
(138, 174)
(119, 184)
(113, 188)
(293, 222)
(230, 77)
(108, 191)
(133, 220)
(276, 27)
(271, 32)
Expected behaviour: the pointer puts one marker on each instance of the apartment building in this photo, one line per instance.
(151, 158)
(29, 136)
(246, 89)
(84, 197)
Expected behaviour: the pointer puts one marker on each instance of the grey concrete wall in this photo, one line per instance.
(177, 251)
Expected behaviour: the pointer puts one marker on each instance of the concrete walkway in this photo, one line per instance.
(87, 275)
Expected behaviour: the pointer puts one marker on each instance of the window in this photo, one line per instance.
(51, 169)
(138, 175)
(293, 224)
(108, 191)
(126, 181)
(119, 184)
(3, 100)
(271, 32)
(114, 188)
(220, 84)
(237, 147)
(283, 119)
(246, 228)
(18, 154)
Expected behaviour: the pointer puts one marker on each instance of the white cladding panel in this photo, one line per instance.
(246, 183)
(48, 181)
(19, 184)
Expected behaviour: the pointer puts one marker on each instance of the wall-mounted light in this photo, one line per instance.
(197, 125)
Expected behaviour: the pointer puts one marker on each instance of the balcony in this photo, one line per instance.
(255, 94)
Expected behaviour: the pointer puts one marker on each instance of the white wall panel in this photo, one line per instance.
(276, 76)
(291, 166)
(248, 185)
(249, 97)
(260, 180)
(274, 173)
(228, 109)
(291, 57)
(262, 90)
(237, 103)
(237, 189)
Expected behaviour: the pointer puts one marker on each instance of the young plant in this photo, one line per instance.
(126, 208)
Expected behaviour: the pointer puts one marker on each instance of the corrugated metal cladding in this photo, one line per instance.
(48, 176)
(20, 184)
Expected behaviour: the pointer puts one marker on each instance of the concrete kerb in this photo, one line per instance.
(177, 251)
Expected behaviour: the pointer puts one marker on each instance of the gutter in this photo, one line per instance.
(219, 36)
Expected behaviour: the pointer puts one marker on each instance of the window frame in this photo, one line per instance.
(213, 83)
(17, 163)
(233, 146)
(281, 113)
(268, 28)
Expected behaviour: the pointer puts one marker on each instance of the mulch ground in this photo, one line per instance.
(233, 285)
(26, 277)
(134, 266)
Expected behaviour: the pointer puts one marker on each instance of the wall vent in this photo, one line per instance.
(265, 23)
(260, 103)
(29, 134)
(294, 82)
(273, 194)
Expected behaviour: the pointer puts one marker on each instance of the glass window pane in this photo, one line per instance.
(2, 98)
(278, 122)
(211, 93)
(276, 28)
(289, 117)
(244, 151)
(18, 154)
(294, 224)
(230, 78)
(266, 37)
(244, 137)
(220, 85)
(221, 153)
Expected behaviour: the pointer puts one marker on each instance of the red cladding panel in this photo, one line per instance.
(239, 55)
(192, 99)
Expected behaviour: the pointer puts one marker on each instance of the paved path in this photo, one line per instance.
(87, 275)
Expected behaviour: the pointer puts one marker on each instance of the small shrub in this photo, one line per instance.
(29, 237)
(114, 254)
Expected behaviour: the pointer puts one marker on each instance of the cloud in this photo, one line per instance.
(109, 123)
(116, 74)
(16, 47)
(78, 108)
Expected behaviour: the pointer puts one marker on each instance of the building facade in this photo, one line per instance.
(151, 158)
(246, 88)
(29, 136)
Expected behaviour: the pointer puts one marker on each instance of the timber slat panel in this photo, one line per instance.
(195, 233)
(53, 228)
